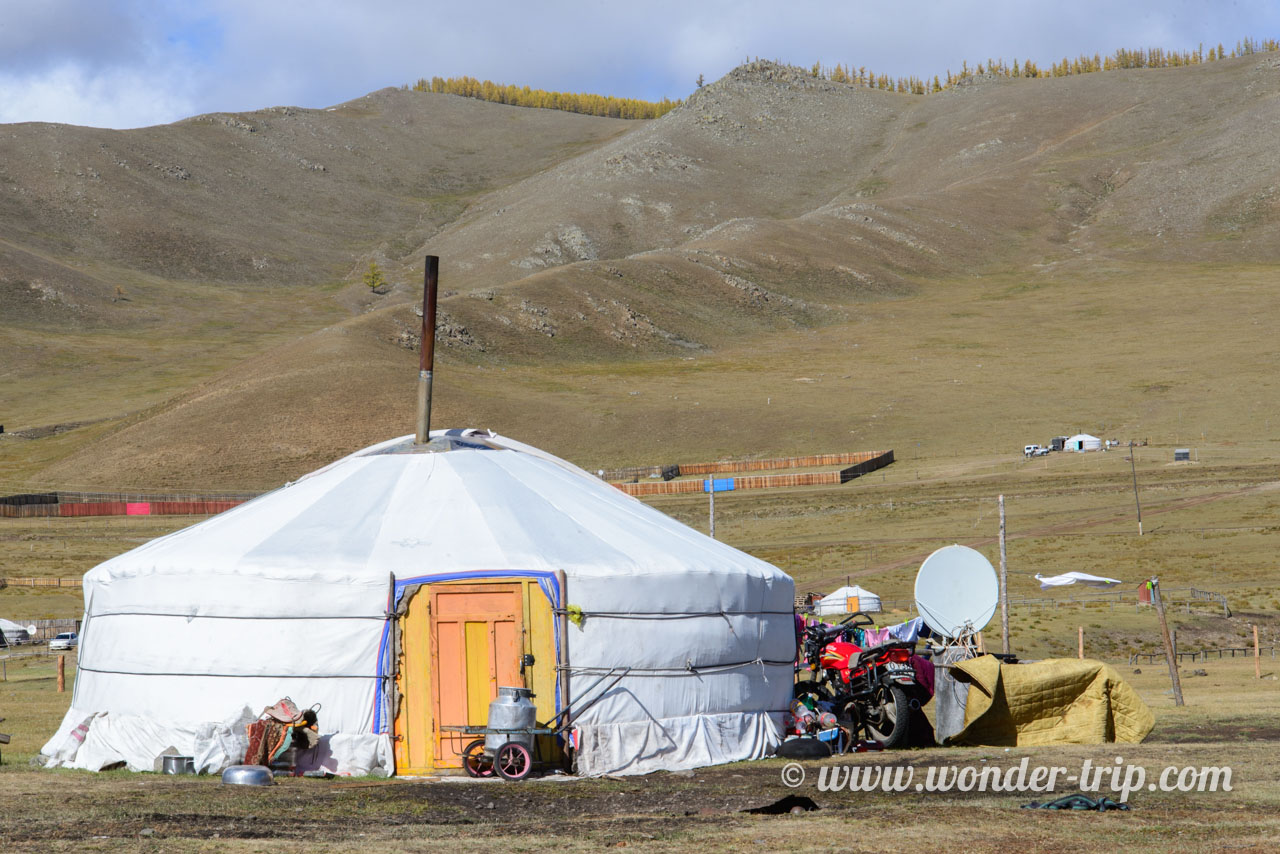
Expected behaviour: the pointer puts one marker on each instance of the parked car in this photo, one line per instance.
(1034, 451)
(66, 640)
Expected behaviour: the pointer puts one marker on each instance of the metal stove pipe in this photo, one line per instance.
(427, 360)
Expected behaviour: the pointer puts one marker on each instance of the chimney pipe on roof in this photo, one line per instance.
(427, 361)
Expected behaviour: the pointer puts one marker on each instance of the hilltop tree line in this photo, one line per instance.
(523, 96)
(632, 108)
(1123, 58)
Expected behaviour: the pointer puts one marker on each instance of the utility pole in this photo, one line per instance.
(1134, 468)
(1004, 585)
(711, 491)
(1169, 653)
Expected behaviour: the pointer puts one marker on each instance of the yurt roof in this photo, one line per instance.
(854, 590)
(475, 501)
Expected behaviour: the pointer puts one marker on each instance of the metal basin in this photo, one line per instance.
(248, 775)
(179, 765)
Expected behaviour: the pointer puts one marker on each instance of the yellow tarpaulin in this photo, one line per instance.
(1059, 701)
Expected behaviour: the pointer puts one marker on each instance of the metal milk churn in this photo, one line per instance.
(513, 709)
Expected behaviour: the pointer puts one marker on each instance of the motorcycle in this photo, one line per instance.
(874, 689)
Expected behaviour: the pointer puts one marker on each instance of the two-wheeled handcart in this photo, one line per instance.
(508, 745)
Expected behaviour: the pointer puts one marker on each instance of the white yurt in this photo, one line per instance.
(396, 589)
(838, 602)
(13, 632)
(1082, 442)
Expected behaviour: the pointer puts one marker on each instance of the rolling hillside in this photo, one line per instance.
(782, 263)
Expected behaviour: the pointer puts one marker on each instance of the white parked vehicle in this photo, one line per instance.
(1034, 451)
(66, 640)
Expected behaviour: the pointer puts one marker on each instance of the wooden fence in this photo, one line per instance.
(813, 461)
(1202, 654)
(1174, 597)
(760, 481)
(864, 462)
(74, 504)
(667, 472)
(41, 582)
(80, 504)
(671, 472)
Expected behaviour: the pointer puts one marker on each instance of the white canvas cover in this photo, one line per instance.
(1067, 578)
(288, 595)
(838, 602)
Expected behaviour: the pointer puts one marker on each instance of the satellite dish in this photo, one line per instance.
(32, 629)
(956, 591)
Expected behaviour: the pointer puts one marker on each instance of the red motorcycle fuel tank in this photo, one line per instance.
(837, 655)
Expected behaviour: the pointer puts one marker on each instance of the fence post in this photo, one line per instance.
(1170, 646)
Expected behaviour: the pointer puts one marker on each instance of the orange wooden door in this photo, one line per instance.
(477, 637)
(415, 730)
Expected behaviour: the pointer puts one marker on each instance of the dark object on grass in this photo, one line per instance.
(803, 748)
(1078, 801)
(919, 730)
(789, 804)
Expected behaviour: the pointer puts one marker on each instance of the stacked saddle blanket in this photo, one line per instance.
(267, 740)
(273, 733)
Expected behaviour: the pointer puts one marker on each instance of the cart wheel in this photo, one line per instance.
(512, 761)
(475, 762)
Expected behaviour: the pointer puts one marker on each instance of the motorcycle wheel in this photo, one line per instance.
(808, 689)
(887, 721)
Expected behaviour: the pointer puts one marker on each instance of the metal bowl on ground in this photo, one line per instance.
(179, 765)
(248, 775)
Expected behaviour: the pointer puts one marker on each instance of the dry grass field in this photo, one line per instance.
(1208, 525)
(1228, 721)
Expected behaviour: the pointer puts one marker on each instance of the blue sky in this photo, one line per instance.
(129, 63)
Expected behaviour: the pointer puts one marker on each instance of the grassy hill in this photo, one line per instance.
(781, 264)
(136, 264)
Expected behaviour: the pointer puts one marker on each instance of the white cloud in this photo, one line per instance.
(70, 94)
(126, 63)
